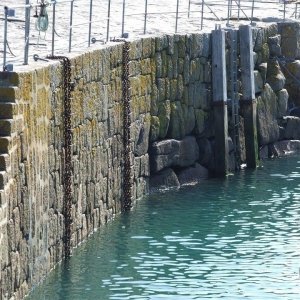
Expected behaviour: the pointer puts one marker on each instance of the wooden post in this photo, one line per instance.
(219, 84)
(248, 102)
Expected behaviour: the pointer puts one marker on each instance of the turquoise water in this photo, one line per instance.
(225, 239)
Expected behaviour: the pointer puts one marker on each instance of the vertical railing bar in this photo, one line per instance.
(228, 9)
(202, 12)
(189, 8)
(90, 22)
(123, 18)
(239, 5)
(177, 10)
(145, 20)
(53, 26)
(71, 25)
(27, 29)
(108, 21)
(252, 12)
(5, 37)
(284, 7)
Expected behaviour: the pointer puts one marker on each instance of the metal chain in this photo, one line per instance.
(127, 185)
(67, 152)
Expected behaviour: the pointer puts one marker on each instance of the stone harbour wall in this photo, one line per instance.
(171, 138)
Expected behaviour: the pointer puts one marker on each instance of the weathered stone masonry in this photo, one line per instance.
(172, 138)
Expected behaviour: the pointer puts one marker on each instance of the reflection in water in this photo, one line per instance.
(232, 239)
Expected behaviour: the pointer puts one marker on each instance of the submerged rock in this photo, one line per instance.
(164, 180)
(192, 175)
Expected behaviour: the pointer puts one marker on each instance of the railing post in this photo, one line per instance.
(252, 11)
(123, 18)
(202, 13)
(177, 10)
(27, 29)
(189, 8)
(90, 22)
(71, 25)
(53, 27)
(108, 21)
(145, 20)
(5, 37)
(219, 85)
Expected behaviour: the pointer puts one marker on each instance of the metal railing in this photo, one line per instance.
(198, 14)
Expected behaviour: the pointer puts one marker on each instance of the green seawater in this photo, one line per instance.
(234, 238)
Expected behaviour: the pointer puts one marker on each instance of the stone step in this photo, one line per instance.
(7, 110)
(9, 78)
(6, 127)
(4, 162)
(8, 94)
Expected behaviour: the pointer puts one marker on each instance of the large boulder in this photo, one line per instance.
(192, 175)
(292, 129)
(292, 73)
(173, 153)
(164, 180)
(290, 39)
(280, 148)
(267, 109)
(274, 45)
(275, 77)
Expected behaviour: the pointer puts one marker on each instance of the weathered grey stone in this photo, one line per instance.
(275, 77)
(169, 153)
(164, 115)
(262, 68)
(282, 99)
(192, 175)
(177, 125)
(258, 81)
(201, 120)
(267, 109)
(141, 135)
(274, 45)
(280, 148)
(292, 83)
(164, 180)
(154, 130)
(290, 39)
(295, 112)
(205, 151)
(292, 129)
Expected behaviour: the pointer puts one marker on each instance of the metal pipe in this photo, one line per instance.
(239, 5)
(284, 6)
(71, 25)
(252, 11)
(108, 21)
(146, 13)
(202, 12)
(5, 37)
(177, 8)
(228, 12)
(27, 29)
(123, 18)
(189, 8)
(90, 22)
(53, 26)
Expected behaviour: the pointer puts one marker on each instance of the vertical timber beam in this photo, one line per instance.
(219, 84)
(248, 102)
